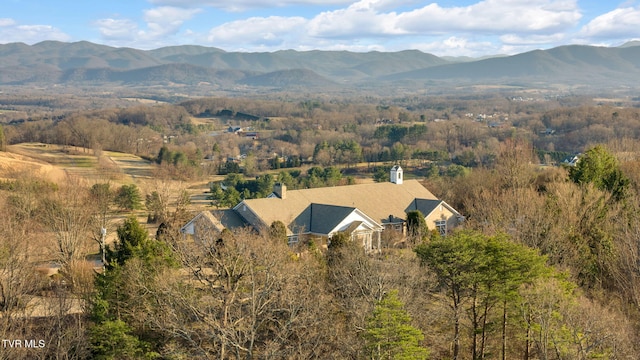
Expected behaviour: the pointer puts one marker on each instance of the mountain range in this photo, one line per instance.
(86, 63)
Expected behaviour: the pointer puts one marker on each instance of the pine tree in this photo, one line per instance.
(128, 197)
(479, 273)
(416, 225)
(389, 333)
(116, 332)
(601, 168)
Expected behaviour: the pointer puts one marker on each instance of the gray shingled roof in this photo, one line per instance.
(216, 220)
(324, 218)
(229, 218)
(426, 206)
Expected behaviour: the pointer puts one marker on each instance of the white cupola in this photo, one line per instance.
(396, 175)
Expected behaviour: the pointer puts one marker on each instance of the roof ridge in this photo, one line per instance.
(331, 205)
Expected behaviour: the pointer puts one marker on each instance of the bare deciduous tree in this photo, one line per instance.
(67, 215)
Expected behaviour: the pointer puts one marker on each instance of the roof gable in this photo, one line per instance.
(425, 206)
(203, 220)
(323, 219)
(216, 220)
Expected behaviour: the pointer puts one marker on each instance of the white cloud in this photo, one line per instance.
(6, 22)
(486, 17)
(166, 20)
(359, 19)
(621, 23)
(117, 29)
(372, 24)
(362, 25)
(519, 40)
(242, 5)
(269, 31)
(161, 24)
(457, 46)
(482, 27)
(493, 16)
(10, 31)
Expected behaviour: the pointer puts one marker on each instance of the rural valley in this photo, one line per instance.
(111, 157)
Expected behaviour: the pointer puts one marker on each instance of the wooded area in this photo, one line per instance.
(546, 266)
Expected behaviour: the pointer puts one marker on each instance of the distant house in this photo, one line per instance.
(362, 211)
(206, 223)
(571, 160)
(251, 135)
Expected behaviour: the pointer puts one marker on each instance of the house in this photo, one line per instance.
(572, 160)
(362, 211)
(211, 222)
(251, 135)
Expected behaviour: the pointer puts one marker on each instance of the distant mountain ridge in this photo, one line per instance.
(572, 64)
(53, 62)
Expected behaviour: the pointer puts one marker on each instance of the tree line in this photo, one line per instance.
(541, 270)
(330, 132)
(546, 266)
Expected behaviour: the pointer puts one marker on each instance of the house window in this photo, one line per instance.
(292, 240)
(441, 225)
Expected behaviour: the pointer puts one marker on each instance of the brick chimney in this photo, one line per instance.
(280, 189)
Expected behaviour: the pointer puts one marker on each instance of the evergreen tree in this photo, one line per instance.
(215, 193)
(128, 197)
(332, 176)
(599, 167)
(112, 339)
(115, 333)
(230, 198)
(381, 174)
(164, 155)
(416, 225)
(339, 240)
(132, 239)
(264, 185)
(389, 333)
(478, 272)
(278, 231)
(285, 177)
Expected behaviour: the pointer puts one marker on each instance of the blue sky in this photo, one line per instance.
(443, 28)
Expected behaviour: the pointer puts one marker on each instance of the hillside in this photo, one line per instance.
(56, 163)
(169, 73)
(13, 164)
(566, 64)
(52, 62)
(289, 78)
